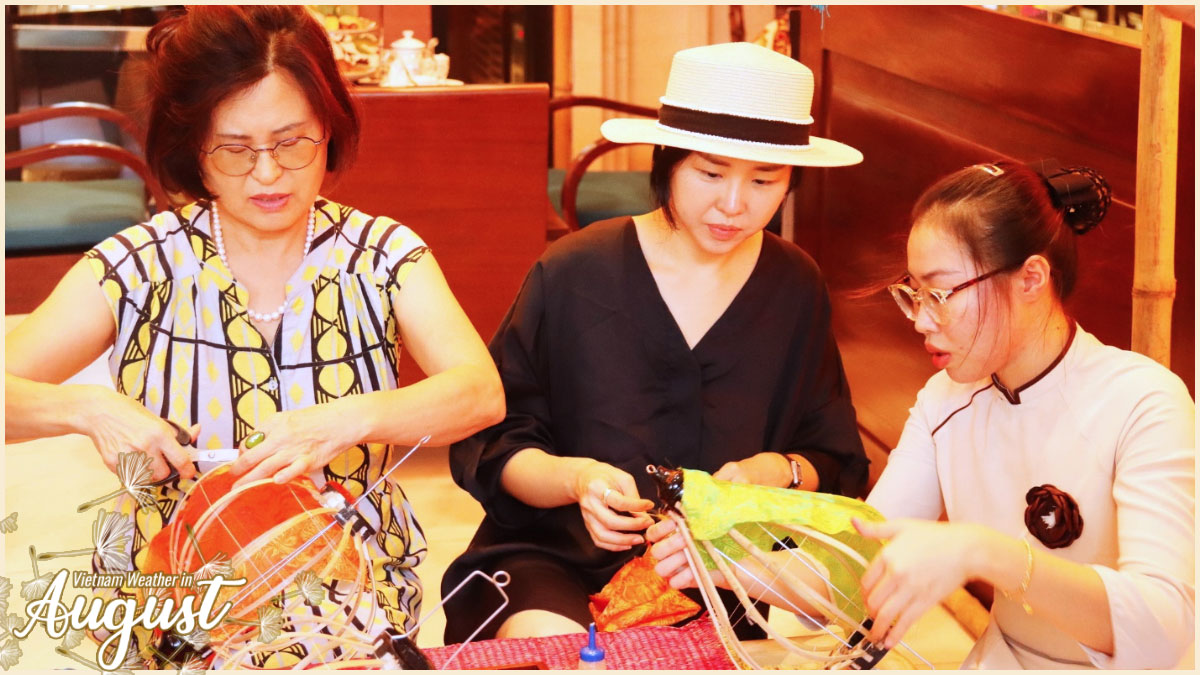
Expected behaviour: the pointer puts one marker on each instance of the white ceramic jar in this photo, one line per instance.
(406, 53)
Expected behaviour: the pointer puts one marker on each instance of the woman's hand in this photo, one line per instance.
(602, 490)
(765, 468)
(295, 443)
(921, 564)
(669, 549)
(117, 423)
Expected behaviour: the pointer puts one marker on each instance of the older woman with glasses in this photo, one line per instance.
(259, 310)
(1065, 467)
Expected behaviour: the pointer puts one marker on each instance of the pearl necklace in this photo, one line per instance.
(219, 240)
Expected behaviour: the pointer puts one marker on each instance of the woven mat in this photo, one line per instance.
(695, 646)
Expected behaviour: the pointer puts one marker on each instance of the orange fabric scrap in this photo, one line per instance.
(638, 596)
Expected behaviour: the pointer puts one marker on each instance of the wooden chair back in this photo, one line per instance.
(589, 154)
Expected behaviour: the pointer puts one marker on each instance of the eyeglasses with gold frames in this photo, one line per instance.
(235, 159)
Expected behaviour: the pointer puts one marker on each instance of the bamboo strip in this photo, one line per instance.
(716, 609)
(1154, 223)
(757, 617)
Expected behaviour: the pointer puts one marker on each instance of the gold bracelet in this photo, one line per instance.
(1024, 587)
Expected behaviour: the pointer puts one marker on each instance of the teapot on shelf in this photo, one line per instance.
(414, 63)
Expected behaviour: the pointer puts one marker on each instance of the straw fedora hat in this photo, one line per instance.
(738, 100)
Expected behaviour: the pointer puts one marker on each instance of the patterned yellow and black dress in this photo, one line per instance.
(186, 349)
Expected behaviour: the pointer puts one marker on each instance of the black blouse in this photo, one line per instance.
(594, 365)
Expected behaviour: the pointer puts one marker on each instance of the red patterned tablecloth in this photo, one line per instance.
(694, 646)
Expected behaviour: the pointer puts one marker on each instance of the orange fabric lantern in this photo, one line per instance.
(638, 596)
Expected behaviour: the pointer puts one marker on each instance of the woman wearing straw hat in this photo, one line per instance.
(684, 337)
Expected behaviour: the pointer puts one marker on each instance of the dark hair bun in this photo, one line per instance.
(1079, 193)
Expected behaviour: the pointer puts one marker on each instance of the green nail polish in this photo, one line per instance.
(254, 439)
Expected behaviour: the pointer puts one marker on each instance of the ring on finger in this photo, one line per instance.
(604, 498)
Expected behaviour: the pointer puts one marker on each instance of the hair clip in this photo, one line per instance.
(1081, 194)
(990, 169)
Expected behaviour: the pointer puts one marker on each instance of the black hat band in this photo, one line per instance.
(733, 126)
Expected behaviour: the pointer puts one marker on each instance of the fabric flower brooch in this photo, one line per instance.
(1052, 516)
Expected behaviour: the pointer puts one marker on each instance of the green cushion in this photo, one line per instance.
(69, 214)
(604, 194)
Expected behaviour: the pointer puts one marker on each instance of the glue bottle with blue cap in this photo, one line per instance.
(591, 655)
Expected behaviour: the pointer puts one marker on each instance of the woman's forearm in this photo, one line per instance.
(448, 407)
(766, 584)
(37, 409)
(543, 480)
(1070, 595)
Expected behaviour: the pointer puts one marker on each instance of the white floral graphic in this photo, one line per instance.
(310, 588)
(219, 565)
(270, 623)
(36, 588)
(137, 480)
(110, 534)
(10, 654)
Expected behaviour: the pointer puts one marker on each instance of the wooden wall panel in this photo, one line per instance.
(465, 167)
(394, 19)
(28, 280)
(1022, 69)
(924, 91)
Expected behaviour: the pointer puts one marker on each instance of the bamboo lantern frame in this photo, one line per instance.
(1157, 161)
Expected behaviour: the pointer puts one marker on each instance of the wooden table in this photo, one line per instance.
(937, 637)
